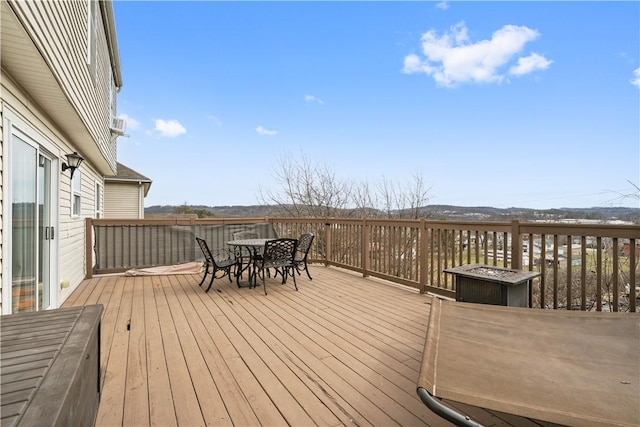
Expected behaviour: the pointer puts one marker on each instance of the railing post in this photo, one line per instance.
(516, 245)
(633, 253)
(423, 256)
(88, 250)
(365, 247)
(327, 242)
(193, 223)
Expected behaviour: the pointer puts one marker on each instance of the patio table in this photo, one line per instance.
(253, 246)
(562, 366)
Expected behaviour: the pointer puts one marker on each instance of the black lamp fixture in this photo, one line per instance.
(73, 161)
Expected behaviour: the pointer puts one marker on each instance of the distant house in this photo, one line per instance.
(124, 193)
(59, 81)
(626, 249)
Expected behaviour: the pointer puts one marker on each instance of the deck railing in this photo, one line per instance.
(583, 267)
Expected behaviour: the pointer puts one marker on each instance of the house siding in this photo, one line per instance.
(70, 230)
(29, 95)
(122, 200)
(59, 30)
(1, 195)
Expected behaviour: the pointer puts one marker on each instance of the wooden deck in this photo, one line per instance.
(343, 350)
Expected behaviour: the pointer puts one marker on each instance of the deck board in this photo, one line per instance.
(343, 350)
(159, 388)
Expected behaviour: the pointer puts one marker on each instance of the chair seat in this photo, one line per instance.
(272, 264)
(222, 262)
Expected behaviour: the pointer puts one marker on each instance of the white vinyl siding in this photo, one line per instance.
(92, 37)
(60, 30)
(1, 193)
(122, 200)
(46, 83)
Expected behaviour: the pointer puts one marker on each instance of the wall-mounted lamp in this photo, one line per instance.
(73, 161)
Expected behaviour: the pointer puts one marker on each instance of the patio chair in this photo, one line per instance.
(302, 251)
(278, 254)
(223, 261)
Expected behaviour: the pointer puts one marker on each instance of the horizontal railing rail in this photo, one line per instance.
(583, 267)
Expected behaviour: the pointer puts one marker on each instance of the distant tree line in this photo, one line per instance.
(187, 210)
(307, 188)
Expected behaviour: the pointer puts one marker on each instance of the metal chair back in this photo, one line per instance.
(279, 255)
(224, 261)
(304, 245)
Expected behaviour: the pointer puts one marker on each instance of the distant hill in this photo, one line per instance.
(438, 212)
(489, 213)
(218, 211)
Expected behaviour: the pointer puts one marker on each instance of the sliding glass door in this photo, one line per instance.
(32, 230)
(46, 232)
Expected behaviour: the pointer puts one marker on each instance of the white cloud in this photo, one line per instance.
(169, 128)
(636, 77)
(443, 5)
(263, 131)
(131, 122)
(311, 98)
(214, 119)
(530, 64)
(452, 58)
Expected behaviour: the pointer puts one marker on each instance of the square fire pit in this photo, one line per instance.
(486, 284)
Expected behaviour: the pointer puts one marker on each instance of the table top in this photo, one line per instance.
(248, 242)
(492, 273)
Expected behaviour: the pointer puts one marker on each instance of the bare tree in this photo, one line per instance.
(392, 199)
(634, 194)
(307, 189)
(310, 189)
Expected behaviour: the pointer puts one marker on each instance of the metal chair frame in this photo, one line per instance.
(278, 254)
(223, 261)
(302, 251)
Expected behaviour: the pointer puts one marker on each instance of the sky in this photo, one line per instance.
(503, 104)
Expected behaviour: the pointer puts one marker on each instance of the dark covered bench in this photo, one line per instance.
(50, 372)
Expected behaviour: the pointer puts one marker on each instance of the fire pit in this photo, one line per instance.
(486, 284)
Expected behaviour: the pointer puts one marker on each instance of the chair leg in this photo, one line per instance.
(306, 268)
(213, 276)
(253, 276)
(293, 273)
(206, 270)
(264, 283)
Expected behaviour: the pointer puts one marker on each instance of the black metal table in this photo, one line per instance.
(254, 247)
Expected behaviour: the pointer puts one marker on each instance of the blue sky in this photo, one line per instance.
(504, 104)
